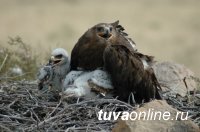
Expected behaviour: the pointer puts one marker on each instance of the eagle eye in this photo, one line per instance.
(59, 56)
(100, 29)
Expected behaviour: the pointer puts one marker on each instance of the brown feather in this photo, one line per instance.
(87, 53)
(128, 75)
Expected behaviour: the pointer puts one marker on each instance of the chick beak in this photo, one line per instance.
(55, 60)
(52, 58)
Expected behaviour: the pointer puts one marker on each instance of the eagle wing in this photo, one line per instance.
(44, 76)
(87, 54)
(127, 40)
(128, 74)
(75, 54)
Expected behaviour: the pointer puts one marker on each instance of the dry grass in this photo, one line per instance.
(167, 29)
(18, 61)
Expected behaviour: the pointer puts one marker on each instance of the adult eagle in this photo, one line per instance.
(107, 45)
(88, 51)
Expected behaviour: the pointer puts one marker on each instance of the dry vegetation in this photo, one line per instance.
(18, 62)
(167, 29)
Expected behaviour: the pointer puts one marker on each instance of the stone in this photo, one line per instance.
(175, 78)
(156, 125)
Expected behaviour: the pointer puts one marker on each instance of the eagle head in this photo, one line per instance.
(88, 52)
(104, 31)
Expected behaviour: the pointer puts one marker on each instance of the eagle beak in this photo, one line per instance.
(105, 34)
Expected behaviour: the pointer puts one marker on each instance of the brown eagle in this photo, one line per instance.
(107, 46)
(88, 51)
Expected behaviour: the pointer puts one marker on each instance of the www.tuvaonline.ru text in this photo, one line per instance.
(151, 114)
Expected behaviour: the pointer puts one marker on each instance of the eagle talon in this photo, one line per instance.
(131, 98)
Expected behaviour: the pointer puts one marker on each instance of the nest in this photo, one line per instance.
(24, 108)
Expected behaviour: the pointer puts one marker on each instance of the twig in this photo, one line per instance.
(14, 117)
(49, 119)
(5, 128)
(3, 62)
(54, 109)
(38, 120)
(14, 77)
(32, 97)
(97, 101)
(12, 103)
